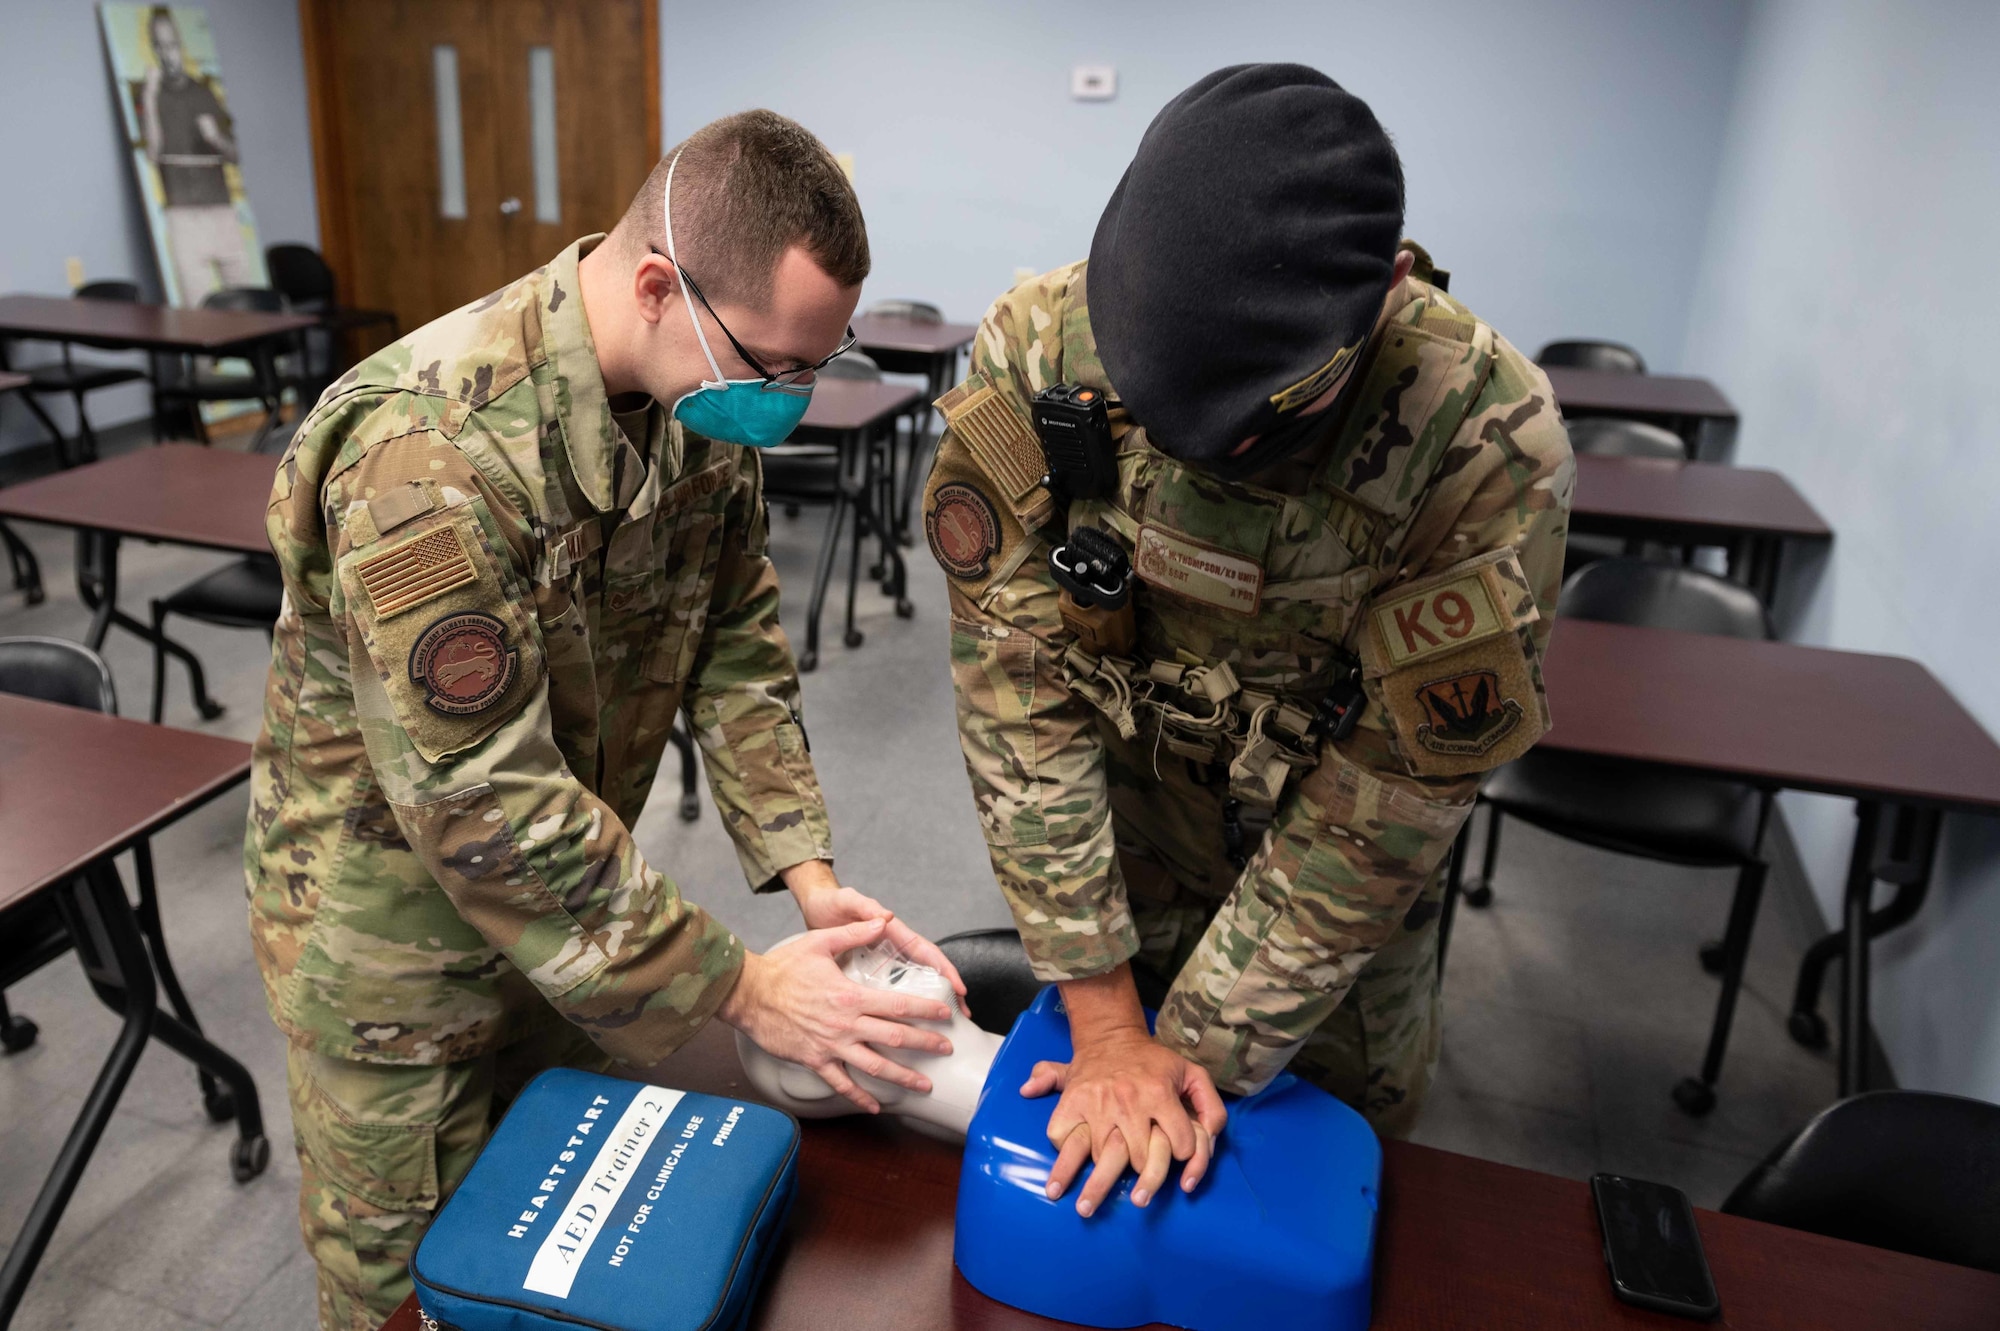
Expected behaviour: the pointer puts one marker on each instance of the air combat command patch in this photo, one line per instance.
(463, 663)
(964, 530)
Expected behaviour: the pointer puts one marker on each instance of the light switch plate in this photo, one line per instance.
(1093, 83)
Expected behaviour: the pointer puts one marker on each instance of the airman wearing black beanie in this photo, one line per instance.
(1223, 718)
(1242, 260)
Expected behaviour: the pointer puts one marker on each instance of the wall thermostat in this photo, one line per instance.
(1093, 83)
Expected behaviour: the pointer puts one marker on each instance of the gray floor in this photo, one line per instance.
(1574, 1002)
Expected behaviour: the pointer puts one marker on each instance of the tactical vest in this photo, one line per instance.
(1247, 600)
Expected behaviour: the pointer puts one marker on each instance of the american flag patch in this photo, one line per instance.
(416, 571)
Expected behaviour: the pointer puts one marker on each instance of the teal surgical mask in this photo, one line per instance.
(755, 412)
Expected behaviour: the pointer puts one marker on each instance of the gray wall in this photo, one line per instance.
(1844, 303)
(69, 181)
(1560, 153)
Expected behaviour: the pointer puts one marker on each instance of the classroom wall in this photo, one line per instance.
(69, 187)
(1560, 154)
(1845, 302)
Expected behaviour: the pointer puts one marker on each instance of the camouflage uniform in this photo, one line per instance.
(498, 597)
(1421, 543)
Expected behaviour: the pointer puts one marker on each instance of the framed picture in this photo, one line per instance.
(183, 144)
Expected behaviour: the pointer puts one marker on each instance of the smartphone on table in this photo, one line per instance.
(1653, 1248)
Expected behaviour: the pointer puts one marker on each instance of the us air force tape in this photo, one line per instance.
(1446, 658)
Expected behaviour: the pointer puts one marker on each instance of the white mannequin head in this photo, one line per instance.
(956, 1078)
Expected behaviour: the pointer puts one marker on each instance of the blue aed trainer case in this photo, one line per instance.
(614, 1205)
(1280, 1235)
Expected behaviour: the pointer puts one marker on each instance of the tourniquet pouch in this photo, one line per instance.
(614, 1205)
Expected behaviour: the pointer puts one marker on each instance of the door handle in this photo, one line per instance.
(509, 207)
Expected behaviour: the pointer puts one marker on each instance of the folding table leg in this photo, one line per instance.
(139, 1013)
(215, 1098)
(97, 588)
(27, 569)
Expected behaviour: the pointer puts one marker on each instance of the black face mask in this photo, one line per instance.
(1281, 440)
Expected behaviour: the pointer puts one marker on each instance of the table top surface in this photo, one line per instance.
(13, 379)
(1775, 713)
(122, 323)
(1607, 391)
(186, 494)
(1693, 495)
(77, 785)
(855, 404)
(1463, 1243)
(876, 333)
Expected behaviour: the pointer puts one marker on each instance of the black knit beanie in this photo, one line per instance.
(1242, 260)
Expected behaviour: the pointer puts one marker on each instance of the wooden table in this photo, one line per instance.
(183, 494)
(1748, 511)
(76, 788)
(859, 417)
(1880, 730)
(1694, 409)
(907, 346)
(121, 325)
(1463, 1243)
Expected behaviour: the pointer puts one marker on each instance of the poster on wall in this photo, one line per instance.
(183, 143)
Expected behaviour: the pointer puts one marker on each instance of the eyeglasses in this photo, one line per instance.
(783, 378)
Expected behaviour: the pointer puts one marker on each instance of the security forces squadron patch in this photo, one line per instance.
(1466, 714)
(463, 663)
(964, 530)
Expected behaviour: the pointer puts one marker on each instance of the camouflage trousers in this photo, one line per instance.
(381, 1147)
(1377, 1051)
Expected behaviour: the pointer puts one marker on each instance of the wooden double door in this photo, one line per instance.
(461, 143)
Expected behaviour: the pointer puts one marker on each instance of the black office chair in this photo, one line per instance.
(999, 985)
(307, 283)
(52, 670)
(916, 311)
(183, 383)
(798, 474)
(1613, 436)
(1637, 809)
(1908, 1171)
(1588, 354)
(33, 933)
(78, 379)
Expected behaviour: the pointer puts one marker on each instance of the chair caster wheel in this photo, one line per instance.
(1808, 1028)
(18, 1034)
(1479, 896)
(854, 638)
(248, 1157)
(876, 573)
(35, 596)
(1713, 956)
(808, 663)
(219, 1104)
(792, 512)
(690, 808)
(209, 708)
(1694, 1096)
(905, 609)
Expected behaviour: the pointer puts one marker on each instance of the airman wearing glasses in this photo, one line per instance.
(517, 545)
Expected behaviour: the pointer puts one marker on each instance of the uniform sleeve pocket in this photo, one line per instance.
(691, 561)
(446, 627)
(993, 669)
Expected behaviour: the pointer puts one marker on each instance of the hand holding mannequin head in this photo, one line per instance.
(956, 1078)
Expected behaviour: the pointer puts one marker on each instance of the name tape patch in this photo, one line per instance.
(1186, 567)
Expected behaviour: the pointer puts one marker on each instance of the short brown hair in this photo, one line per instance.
(747, 188)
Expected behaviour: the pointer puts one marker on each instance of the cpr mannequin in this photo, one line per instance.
(956, 1077)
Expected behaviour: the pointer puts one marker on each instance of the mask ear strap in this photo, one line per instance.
(687, 297)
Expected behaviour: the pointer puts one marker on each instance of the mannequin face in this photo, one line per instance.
(956, 1078)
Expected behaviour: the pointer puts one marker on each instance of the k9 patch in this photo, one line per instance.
(1446, 657)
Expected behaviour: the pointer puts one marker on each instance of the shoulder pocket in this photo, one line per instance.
(1447, 659)
(447, 629)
